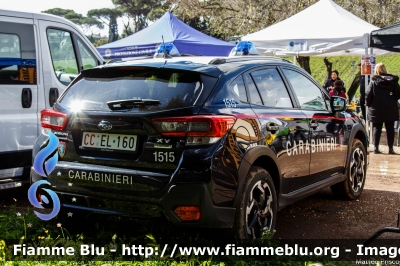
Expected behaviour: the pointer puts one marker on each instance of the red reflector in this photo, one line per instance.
(53, 119)
(188, 213)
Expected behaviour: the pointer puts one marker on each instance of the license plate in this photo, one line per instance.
(109, 141)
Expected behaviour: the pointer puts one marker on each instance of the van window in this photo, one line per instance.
(63, 55)
(88, 59)
(15, 66)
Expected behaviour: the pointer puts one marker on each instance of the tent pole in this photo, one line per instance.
(371, 50)
(294, 60)
(366, 107)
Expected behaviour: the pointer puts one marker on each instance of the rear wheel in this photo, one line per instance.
(257, 212)
(356, 172)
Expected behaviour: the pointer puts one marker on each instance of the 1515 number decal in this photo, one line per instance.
(164, 156)
(229, 103)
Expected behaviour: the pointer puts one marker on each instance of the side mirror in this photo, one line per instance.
(338, 104)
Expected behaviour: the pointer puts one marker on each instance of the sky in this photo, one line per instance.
(79, 6)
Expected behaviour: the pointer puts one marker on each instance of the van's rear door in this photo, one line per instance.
(18, 97)
(64, 52)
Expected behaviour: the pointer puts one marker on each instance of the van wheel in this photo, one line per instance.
(256, 214)
(356, 172)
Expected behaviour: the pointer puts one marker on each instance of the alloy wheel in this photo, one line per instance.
(357, 170)
(259, 212)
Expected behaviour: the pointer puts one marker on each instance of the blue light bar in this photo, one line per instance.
(170, 50)
(244, 48)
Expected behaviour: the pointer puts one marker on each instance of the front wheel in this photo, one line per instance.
(257, 212)
(356, 172)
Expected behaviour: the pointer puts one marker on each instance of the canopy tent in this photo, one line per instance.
(387, 38)
(186, 39)
(322, 28)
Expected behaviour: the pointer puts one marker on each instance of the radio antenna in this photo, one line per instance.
(165, 49)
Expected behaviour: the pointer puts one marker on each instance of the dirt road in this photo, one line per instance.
(322, 216)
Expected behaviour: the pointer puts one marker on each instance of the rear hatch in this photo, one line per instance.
(126, 130)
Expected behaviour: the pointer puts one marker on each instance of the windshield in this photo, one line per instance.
(170, 89)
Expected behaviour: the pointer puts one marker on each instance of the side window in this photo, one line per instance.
(253, 92)
(308, 94)
(237, 87)
(271, 88)
(327, 100)
(88, 59)
(63, 55)
(17, 54)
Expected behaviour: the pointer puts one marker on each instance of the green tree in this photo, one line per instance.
(142, 11)
(236, 17)
(109, 17)
(86, 23)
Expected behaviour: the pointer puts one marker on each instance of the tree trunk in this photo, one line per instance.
(304, 62)
(113, 30)
(328, 69)
(354, 86)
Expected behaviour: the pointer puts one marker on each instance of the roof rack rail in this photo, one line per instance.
(218, 61)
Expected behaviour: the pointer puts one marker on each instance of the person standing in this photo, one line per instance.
(338, 89)
(330, 83)
(381, 99)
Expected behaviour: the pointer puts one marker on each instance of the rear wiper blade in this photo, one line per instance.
(131, 103)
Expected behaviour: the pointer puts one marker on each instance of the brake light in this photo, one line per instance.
(53, 119)
(202, 129)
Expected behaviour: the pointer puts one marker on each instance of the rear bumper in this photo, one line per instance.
(197, 195)
(194, 194)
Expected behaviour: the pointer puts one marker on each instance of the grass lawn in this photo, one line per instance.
(111, 231)
(343, 64)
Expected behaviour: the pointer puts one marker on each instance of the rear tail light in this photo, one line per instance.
(198, 130)
(52, 119)
(188, 213)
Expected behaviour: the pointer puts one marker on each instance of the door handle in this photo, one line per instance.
(26, 98)
(272, 127)
(53, 96)
(313, 124)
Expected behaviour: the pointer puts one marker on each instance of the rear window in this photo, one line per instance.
(172, 88)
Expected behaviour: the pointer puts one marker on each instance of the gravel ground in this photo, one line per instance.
(322, 216)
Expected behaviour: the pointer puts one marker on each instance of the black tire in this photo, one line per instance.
(256, 214)
(356, 172)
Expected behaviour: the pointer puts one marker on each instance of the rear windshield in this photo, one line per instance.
(172, 88)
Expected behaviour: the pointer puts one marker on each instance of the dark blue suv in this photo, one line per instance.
(205, 142)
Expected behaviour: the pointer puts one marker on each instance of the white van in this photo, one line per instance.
(40, 54)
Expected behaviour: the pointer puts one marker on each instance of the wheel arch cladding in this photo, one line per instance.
(263, 157)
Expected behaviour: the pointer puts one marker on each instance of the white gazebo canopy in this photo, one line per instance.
(320, 29)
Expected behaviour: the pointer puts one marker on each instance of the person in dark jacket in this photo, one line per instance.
(330, 83)
(381, 99)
